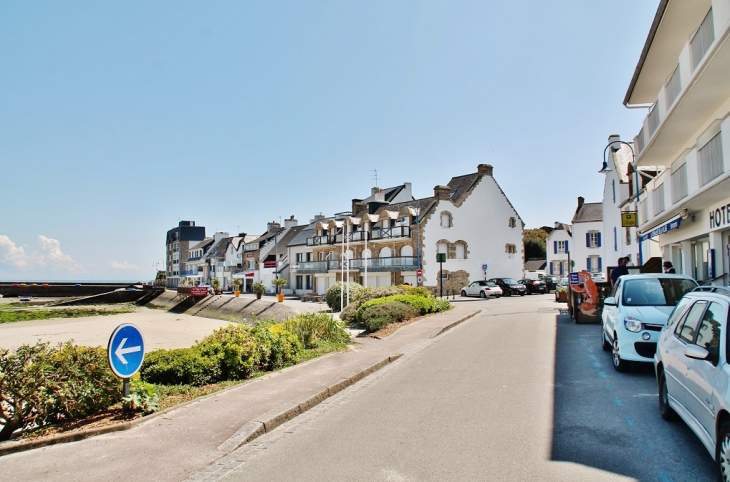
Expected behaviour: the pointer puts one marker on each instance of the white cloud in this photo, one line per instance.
(11, 254)
(48, 255)
(123, 265)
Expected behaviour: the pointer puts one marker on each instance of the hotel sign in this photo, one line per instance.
(720, 216)
(661, 229)
(628, 219)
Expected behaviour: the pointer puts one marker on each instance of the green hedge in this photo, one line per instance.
(377, 316)
(181, 366)
(332, 296)
(424, 305)
(311, 328)
(42, 385)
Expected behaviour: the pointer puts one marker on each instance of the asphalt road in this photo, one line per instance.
(516, 393)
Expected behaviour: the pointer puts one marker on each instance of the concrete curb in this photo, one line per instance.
(457, 322)
(279, 415)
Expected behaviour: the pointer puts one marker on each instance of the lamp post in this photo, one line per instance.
(605, 169)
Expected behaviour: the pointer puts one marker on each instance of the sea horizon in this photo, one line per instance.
(86, 281)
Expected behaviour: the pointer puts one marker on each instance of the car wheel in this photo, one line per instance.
(482, 294)
(619, 364)
(463, 293)
(522, 294)
(665, 410)
(722, 452)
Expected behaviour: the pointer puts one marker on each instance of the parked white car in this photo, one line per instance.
(636, 312)
(483, 289)
(693, 374)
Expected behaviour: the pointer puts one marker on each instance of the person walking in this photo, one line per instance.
(668, 268)
(619, 271)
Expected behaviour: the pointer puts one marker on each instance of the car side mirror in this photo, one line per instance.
(610, 301)
(696, 352)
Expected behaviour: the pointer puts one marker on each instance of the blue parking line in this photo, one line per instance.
(609, 387)
(603, 375)
(618, 402)
(630, 421)
(596, 364)
(592, 357)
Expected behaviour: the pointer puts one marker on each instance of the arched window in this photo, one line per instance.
(460, 251)
(385, 253)
(442, 247)
(406, 250)
(446, 220)
(386, 257)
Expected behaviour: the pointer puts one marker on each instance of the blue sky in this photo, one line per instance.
(120, 118)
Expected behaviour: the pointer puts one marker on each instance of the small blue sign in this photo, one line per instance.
(574, 278)
(125, 350)
(673, 223)
(484, 267)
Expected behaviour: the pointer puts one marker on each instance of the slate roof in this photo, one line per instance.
(589, 213)
(389, 193)
(461, 185)
(282, 243)
(535, 264)
(300, 238)
(422, 205)
(563, 226)
(202, 244)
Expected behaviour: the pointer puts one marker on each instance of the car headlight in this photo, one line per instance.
(632, 324)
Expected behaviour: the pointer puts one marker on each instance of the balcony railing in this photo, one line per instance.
(375, 264)
(320, 240)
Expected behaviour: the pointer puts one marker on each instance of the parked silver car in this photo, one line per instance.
(693, 373)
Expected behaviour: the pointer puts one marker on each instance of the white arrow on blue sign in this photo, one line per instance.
(126, 350)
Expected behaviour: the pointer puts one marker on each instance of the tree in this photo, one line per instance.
(534, 241)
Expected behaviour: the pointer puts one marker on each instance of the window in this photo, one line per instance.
(446, 221)
(658, 199)
(708, 334)
(299, 257)
(512, 222)
(700, 43)
(308, 280)
(442, 248)
(510, 249)
(560, 247)
(460, 251)
(299, 282)
(686, 331)
(711, 160)
(593, 239)
(594, 265)
(673, 87)
(679, 183)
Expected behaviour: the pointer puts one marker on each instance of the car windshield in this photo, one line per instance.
(656, 291)
(509, 281)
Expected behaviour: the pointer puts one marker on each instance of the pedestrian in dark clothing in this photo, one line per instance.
(619, 270)
(668, 268)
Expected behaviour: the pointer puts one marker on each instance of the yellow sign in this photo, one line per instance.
(628, 219)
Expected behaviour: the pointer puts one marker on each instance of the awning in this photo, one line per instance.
(193, 276)
(250, 274)
(661, 229)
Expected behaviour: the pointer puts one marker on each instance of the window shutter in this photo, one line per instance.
(598, 235)
(567, 250)
(555, 247)
(600, 264)
(561, 267)
(588, 240)
(588, 264)
(551, 268)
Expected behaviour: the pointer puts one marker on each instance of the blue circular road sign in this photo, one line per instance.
(125, 350)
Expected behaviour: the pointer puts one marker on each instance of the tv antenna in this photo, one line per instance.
(375, 176)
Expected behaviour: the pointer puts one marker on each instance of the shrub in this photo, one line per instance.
(41, 385)
(368, 294)
(180, 366)
(349, 313)
(416, 290)
(377, 316)
(333, 293)
(310, 328)
(422, 304)
(239, 352)
(142, 397)
(280, 346)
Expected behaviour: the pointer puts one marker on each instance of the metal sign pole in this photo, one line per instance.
(127, 389)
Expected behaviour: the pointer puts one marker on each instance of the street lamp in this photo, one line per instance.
(605, 169)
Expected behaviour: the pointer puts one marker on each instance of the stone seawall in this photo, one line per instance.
(220, 307)
(57, 290)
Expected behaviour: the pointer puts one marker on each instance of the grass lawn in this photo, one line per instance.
(10, 314)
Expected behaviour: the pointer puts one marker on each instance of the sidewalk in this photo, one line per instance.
(176, 444)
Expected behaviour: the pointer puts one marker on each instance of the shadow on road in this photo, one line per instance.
(610, 421)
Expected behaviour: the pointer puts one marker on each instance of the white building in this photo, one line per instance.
(683, 75)
(470, 220)
(557, 247)
(587, 249)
